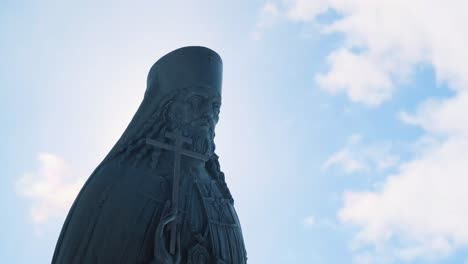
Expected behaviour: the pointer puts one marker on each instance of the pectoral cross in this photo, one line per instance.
(178, 150)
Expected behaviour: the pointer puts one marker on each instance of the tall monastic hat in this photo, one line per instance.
(184, 68)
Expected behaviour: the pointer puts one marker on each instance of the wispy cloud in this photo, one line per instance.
(309, 221)
(268, 16)
(356, 156)
(50, 189)
(305, 10)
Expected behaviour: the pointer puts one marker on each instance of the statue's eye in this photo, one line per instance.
(196, 100)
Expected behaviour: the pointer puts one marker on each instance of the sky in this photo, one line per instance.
(343, 132)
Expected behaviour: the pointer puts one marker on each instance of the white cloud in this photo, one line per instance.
(442, 117)
(385, 40)
(358, 75)
(50, 189)
(420, 211)
(424, 207)
(358, 157)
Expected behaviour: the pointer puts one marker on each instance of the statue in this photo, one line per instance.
(159, 196)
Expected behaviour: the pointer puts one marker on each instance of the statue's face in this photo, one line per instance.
(195, 114)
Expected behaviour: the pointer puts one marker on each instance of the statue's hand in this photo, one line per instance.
(161, 254)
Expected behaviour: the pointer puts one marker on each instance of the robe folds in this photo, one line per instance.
(116, 214)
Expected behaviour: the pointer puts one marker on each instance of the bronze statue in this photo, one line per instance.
(159, 196)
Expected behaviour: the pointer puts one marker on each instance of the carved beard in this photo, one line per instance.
(202, 136)
(202, 141)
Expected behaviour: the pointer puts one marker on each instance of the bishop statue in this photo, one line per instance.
(159, 196)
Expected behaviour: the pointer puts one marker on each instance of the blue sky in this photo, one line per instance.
(343, 132)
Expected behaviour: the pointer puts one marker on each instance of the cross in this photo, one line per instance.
(178, 150)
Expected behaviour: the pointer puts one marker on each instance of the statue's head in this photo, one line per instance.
(188, 83)
(183, 95)
(194, 113)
